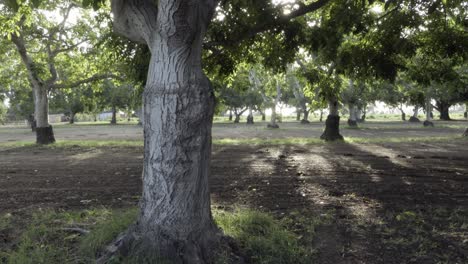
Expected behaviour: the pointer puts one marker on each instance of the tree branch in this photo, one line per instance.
(96, 77)
(27, 60)
(259, 28)
(135, 19)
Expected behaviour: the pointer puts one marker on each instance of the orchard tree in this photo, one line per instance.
(299, 96)
(44, 45)
(175, 219)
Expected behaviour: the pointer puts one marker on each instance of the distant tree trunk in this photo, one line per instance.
(321, 116)
(263, 115)
(361, 114)
(443, 108)
(175, 218)
(427, 122)
(72, 118)
(414, 118)
(403, 115)
(230, 115)
(114, 116)
(352, 121)
(32, 122)
(465, 114)
(305, 119)
(273, 123)
(332, 124)
(237, 119)
(141, 117)
(298, 114)
(250, 119)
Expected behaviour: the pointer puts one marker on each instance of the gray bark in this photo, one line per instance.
(427, 122)
(352, 122)
(273, 123)
(44, 132)
(175, 217)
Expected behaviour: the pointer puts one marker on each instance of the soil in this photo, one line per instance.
(363, 187)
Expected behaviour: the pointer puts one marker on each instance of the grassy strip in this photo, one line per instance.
(47, 240)
(238, 141)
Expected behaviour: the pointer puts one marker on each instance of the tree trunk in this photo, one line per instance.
(44, 131)
(444, 110)
(230, 115)
(298, 114)
(250, 119)
(114, 116)
(321, 116)
(237, 119)
(332, 124)
(465, 114)
(72, 118)
(263, 115)
(305, 119)
(403, 115)
(414, 118)
(427, 122)
(352, 121)
(273, 123)
(175, 216)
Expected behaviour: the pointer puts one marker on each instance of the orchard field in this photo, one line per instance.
(393, 192)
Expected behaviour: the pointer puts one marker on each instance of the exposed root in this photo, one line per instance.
(74, 229)
(164, 250)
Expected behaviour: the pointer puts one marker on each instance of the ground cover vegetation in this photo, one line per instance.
(178, 63)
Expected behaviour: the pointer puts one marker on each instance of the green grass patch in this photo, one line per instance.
(264, 239)
(62, 144)
(48, 239)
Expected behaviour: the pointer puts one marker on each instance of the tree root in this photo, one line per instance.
(177, 252)
(75, 229)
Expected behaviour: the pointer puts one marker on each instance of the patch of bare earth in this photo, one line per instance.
(371, 191)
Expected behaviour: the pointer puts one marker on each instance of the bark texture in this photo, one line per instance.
(175, 217)
(45, 135)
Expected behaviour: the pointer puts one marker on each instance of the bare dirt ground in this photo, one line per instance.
(373, 193)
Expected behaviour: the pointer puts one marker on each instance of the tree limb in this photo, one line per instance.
(27, 60)
(135, 19)
(259, 28)
(96, 77)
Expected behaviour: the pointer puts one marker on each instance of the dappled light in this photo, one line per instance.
(234, 132)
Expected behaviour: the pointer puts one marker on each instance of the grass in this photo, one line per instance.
(61, 144)
(263, 238)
